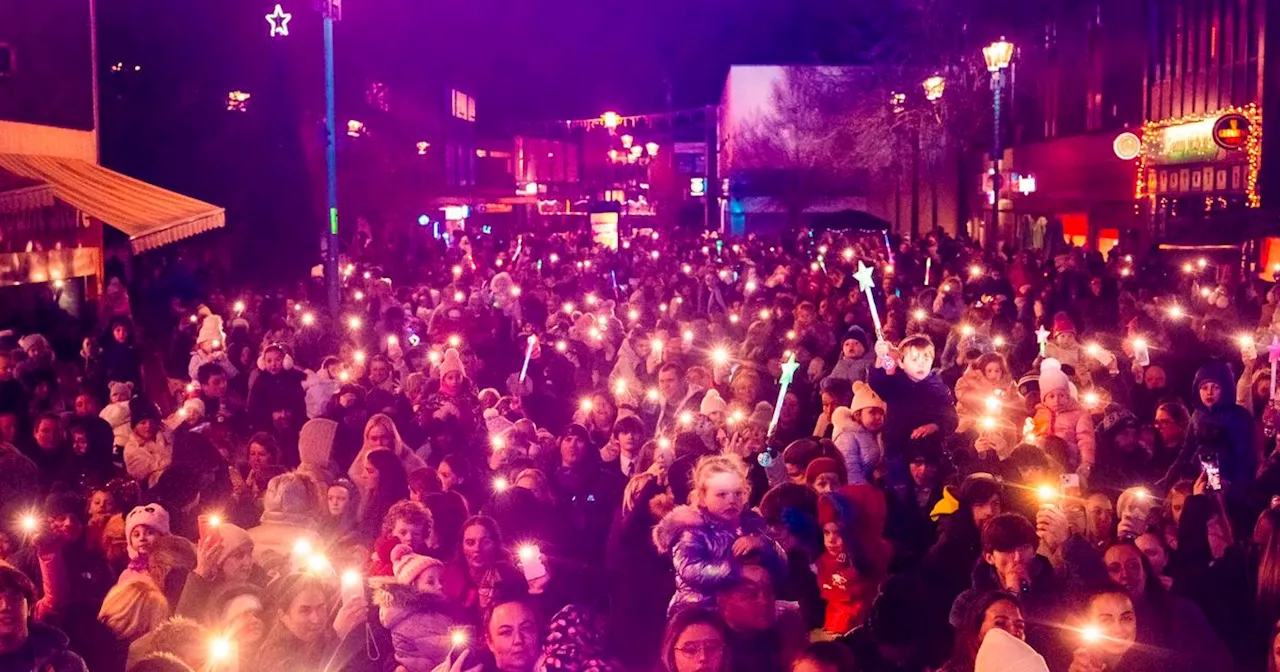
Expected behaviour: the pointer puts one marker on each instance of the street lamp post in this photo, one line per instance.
(933, 89)
(998, 55)
(332, 10)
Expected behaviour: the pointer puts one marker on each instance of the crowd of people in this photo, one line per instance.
(687, 454)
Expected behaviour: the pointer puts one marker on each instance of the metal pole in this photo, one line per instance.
(329, 242)
(915, 181)
(991, 242)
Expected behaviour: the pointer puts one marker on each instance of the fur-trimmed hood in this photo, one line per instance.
(668, 530)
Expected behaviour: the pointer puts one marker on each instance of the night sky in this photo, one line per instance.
(525, 59)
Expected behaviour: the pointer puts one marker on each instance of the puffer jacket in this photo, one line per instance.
(420, 625)
(1071, 424)
(701, 548)
(861, 449)
(972, 391)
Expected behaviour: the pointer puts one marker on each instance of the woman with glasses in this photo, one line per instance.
(695, 642)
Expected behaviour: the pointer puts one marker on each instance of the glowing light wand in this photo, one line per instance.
(528, 354)
(788, 372)
(863, 276)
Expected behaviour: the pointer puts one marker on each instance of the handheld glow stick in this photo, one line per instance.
(788, 372)
(928, 267)
(863, 276)
(528, 353)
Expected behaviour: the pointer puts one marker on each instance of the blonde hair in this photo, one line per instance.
(133, 609)
(390, 425)
(632, 491)
(709, 466)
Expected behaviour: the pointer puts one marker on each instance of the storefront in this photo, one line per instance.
(1198, 176)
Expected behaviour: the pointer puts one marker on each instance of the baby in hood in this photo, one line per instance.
(414, 609)
(322, 385)
(148, 450)
(117, 413)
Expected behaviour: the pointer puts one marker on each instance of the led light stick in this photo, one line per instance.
(788, 372)
(863, 276)
(528, 353)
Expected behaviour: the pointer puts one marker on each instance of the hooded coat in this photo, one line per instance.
(1239, 459)
(701, 548)
(419, 623)
(847, 590)
(860, 448)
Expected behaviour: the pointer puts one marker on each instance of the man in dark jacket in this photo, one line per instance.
(25, 644)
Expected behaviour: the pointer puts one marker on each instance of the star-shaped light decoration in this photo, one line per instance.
(788, 371)
(1042, 337)
(863, 276)
(279, 22)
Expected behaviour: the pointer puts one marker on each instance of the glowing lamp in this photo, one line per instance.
(454, 340)
(354, 323)
(351, 578)
(458, 638)
(500, 484)
(651, 394)
(1091, 634)
(686, 417)
(998, 55)
(302, 547)
(1047, 493)
(220, 649)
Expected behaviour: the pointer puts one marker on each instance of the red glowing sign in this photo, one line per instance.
(1231, 131)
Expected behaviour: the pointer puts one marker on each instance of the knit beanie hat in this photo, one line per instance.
(495, 423)
(865, 397)
(1002, 652)
(211, 330)
(858, 334)
(761, 415)
(315, 441)
(151, 515)
(823, 465)
(1062, 324)
(452, 362)
(407, 566)
(1116, 418)
(712, 402)
(1052, 379)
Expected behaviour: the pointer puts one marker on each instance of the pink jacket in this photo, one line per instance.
(1073, 425)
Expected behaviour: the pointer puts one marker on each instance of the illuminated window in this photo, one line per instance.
(464, 106)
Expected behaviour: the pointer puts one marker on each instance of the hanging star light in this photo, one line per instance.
(279, 22)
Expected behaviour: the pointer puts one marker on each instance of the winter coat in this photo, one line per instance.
(44, 651)
(420, 625)
(320, 388)
(858, 446)
(911, 405)
(641, 582)
(1239, 459)
(972, 391)
(701, 548)
(272, 391)
(142, 459)
(1072, 424)
(199, 358)
(283, 652)
(118, 415)
(451, 422)
(854, 369)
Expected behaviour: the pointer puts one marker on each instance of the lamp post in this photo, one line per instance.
(332, 11)
(933, 89)
(998, 55)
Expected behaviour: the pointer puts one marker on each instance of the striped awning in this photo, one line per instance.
(152, 217)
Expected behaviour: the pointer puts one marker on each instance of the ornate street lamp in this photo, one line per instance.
(933, 87)
(998, 56)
